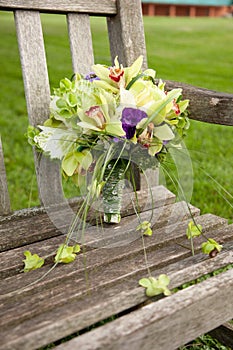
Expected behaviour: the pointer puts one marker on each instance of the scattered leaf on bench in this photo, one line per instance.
(32, 262)
(66, 254)
(156, 286)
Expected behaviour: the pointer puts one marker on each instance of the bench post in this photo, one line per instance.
(4, 195)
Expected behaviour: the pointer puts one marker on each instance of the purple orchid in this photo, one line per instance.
(130, 118)
(91, 76)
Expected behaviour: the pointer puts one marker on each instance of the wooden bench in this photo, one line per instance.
(102, 283)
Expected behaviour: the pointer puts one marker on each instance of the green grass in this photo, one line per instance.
(195, 51)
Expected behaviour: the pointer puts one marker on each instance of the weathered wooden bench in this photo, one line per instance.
(102, 283)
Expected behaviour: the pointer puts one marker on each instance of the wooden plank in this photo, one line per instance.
(28, 226)
(169, 322)
(82, 6)
(102, 266)
(4, 195)
(34, 66)
(81, 50)
(224, 334)
(97, 305)
(206, 105)
(37, 91)
(11, 261)
(126, 32)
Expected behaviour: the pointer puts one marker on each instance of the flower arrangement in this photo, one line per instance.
(102, 122)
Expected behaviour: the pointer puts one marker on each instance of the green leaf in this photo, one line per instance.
(72, 100)
(145, 228)
(69, 163)
(60, 103)
(66, 254)
(193, 230)
(76, 248)
(210, 245)
(65, 84)
(145, 282)
(156, 286)
(32, 262)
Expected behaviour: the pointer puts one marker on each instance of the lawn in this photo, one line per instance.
(195, 51)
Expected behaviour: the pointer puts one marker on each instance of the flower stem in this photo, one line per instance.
(113, 191)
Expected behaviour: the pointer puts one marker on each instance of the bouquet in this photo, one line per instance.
(103, 122)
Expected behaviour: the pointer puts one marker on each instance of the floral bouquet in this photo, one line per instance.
(102, 123)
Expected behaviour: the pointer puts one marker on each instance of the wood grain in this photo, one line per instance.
(65, 292)
(98, 304)
(4, 195)
(81, 6)
(81, 50)
(167, 323)
(37, 91)
(126, 32)
(11, 260)
(206, 105)
(28, 226)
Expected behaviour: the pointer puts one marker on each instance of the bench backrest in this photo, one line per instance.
(126, 41)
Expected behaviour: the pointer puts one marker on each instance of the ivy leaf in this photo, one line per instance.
(76, 248)
(32, 262)
(66, 254)
(210, 245)
(145, 228)
(156, 286)
(193, 230)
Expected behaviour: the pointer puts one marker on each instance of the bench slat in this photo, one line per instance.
(206, 105)
(98, 269)
(23, 227)
(11, 261)
(4, 195)
(97, 305)
(81, 50)
(34, 65)
(103, 266)
(83, 6)
(126, 33)
(168, 322)
(37, 91)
